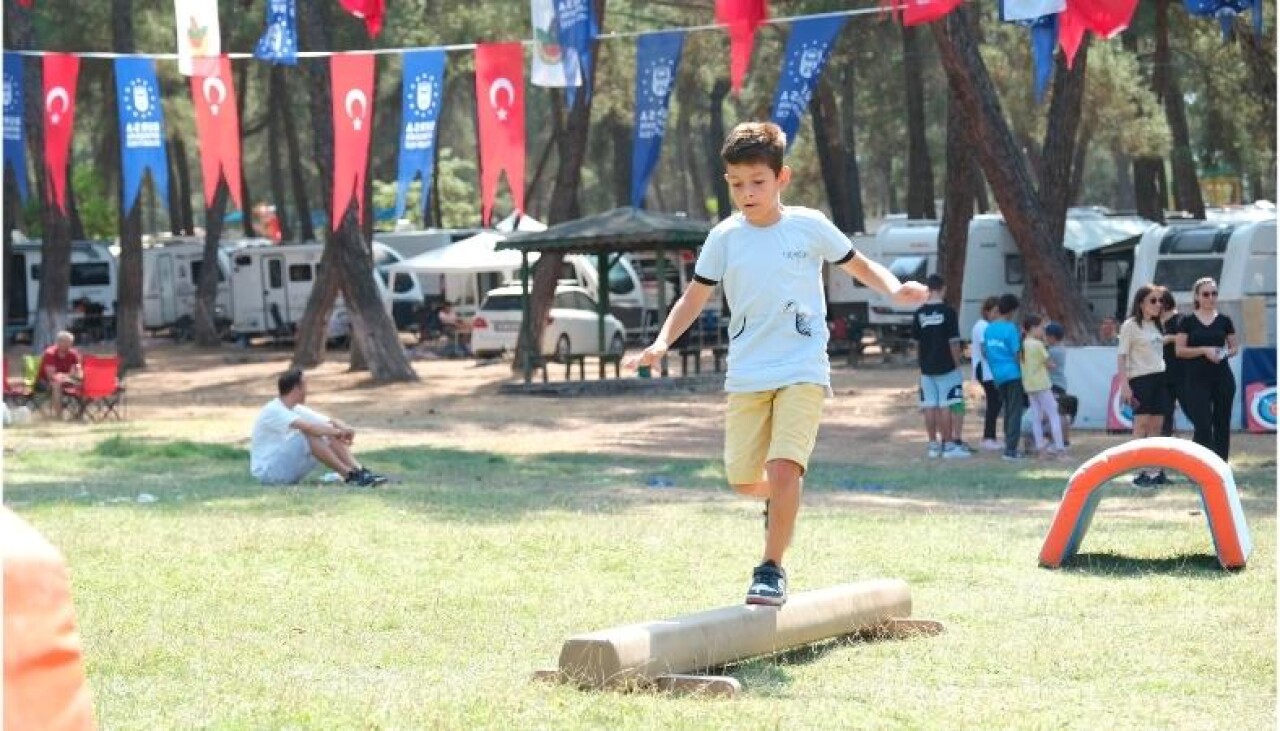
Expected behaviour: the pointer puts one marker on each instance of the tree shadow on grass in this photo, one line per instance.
(770, 674)
(1191, 565)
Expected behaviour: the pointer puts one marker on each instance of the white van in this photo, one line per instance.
(679, 269)
(1241, 257)
(270, 286)
(94, 277)
(907, 247)
(627, 300)
(170, 278)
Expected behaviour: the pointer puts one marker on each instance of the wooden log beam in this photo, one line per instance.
(639, 654)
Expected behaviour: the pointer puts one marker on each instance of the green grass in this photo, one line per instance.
(428, 604)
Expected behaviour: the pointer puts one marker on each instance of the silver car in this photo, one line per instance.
(572, 324)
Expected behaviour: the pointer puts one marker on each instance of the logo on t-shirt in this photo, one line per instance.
(931, 319)
(795, 254)
(802, 318)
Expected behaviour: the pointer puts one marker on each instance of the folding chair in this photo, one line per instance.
(99, 393)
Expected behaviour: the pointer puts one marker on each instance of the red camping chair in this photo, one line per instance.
(99, 394)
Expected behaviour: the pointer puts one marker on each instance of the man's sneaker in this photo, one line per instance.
(768, 585)
(1142, 480)
(1011, 456)
(355, 477)
(992, 445)
(935, 450)
(956, 450)
(1160, 478)
(372, 478)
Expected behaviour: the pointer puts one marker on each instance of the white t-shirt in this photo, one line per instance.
(271, 430)
(772, 279)
(976, 337)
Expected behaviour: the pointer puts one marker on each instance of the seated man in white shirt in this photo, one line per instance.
(289, 440)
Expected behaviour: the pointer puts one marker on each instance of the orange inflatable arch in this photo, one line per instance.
(1218, 495)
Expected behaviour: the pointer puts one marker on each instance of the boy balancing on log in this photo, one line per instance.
(769, 259)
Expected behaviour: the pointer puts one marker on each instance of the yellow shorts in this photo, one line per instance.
(766, 425)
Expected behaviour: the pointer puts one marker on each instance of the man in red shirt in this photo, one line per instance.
(59, 367)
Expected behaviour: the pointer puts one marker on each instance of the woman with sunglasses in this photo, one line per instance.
(1140, 363)
(1206, 339)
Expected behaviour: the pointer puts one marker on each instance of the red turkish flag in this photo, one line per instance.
(218, 122)
(370, 11)
(352, 127)
(742, 17)
(919, 12)
(500, 108)
(60, 73)
(1104, 17)
(1071, 29)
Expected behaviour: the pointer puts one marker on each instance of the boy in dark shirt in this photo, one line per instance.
(936, 328)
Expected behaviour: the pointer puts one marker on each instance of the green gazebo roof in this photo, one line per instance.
(619, 230)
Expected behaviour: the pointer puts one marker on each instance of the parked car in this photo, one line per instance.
(572, 325)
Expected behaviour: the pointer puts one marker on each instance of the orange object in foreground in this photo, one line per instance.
(1213, 477)
(44, 683)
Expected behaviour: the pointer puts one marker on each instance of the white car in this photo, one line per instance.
(572, 325)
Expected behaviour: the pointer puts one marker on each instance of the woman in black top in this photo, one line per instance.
(1206, 339)
(1169, 319)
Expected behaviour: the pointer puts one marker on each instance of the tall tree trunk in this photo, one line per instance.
(919, 167)
(246, 197)
(301, 199)
(565, 202)
(1148, 193)
(689, 146)
(346, 256)
(715, 141)
(1049, 278)
(620, 143)
(183, 170)
(275, 134)
(1186, 185)
(957, 209)
(1058, 152)
(1079, 160)
(824, 113)
(129, 297)
(73, 211)
(1123, 195)
(1260, 60)
(206, 304)
(848, 131)
(171, 195)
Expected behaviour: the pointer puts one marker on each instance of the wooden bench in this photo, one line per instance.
(718, 354)
(540, 363)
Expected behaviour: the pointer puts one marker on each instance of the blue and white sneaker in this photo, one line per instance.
(768, 585)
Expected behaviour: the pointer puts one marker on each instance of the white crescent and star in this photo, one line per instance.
(215, 92)
(57, 93)
(500, 85)
(354, 97)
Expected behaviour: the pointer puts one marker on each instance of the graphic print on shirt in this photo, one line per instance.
(802, 318)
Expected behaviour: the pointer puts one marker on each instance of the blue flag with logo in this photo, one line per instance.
(578, 28)
(808, 47)
(279, 42)
(657, 59)
(15, 152)
(1044, 41)
(422, 96)
(141, 128)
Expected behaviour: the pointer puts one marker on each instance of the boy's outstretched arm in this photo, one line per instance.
(877, 277)
(682, 315)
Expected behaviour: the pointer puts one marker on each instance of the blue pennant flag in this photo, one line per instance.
(808, 47)
(1226, 11)
(422, 97)
(578, 28)
(657, 59)
(15, 153)
(141, 128)
(1044, 40)
(279, 42)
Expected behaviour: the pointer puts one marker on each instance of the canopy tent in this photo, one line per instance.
(617, 232)
(1088, 233)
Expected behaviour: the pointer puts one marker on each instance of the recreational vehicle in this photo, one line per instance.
(1241, 257)
(170, 277)
(270, 286)
(909, 248)
(94, 278)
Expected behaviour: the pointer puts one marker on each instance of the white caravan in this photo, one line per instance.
(94, 277)
(170, 278)
(908, 247)
(1241, 257)
(270, 286)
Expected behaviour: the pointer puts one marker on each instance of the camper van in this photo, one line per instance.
(94, 277)
(170, 277)
(1241, 257)
(270, 286)
(678, 268)
(908, 248)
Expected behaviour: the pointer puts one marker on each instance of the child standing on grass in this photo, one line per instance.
(1035, 381)
(769, 259)
(1002, 343)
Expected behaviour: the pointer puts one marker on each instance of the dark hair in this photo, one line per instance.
(1055, 331)
(1166, 299)
(1007, 303)
(935, 282)
(1030, 322)
(755, 142)
(1140, 296)
(990, 304)
(291, 379)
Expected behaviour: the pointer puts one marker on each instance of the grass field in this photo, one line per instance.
(429, 603)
